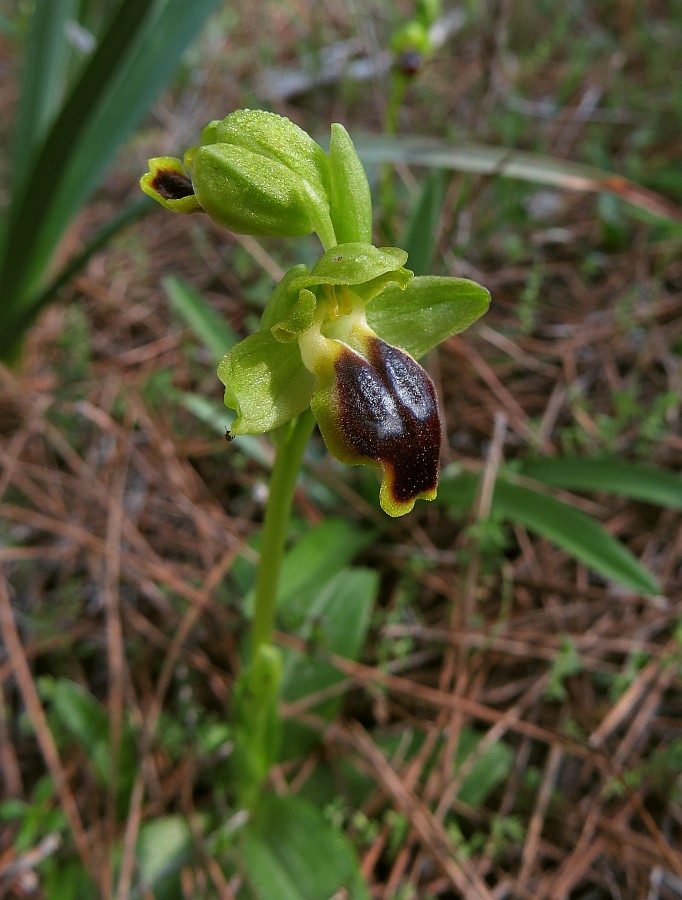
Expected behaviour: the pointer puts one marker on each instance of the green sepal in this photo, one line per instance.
(279, 162)
(265, 382)
(257, 725)
(351, 200)
(274, 137)
(240, 192)
(428, 310)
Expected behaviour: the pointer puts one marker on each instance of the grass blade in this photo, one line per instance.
(612, 476)
(484, 160)
(208, 326)
(420, 239)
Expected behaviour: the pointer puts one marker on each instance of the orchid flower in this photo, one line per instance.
(343, 337)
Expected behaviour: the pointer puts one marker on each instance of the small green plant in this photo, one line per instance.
(337, 345)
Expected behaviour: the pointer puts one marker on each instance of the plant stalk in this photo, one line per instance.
(290, 446)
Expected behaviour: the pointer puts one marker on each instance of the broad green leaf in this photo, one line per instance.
(208, 326)
(613, 476)
(308, 565)
(311, 564)
(336, 621)
(265, 382)
(426, 312)
(289, 851)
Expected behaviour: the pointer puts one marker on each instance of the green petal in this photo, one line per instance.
(429, 310)
(265, 382)
(289, 312)
(351, 201)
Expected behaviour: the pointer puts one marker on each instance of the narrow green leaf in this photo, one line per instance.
(291, 852)
(80, 715)
(217, 417)
(133, 60)
(208, 326)
(613, 476)
(426, 312)
(420, 239)
(501, 161)
(569, 528)
(574, 531)
(491, 768)
(43, 80)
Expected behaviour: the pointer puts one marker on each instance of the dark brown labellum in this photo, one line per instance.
(172, 185)
(388, 412)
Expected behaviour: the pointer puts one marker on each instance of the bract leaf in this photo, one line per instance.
(265, 382)
(427, 311)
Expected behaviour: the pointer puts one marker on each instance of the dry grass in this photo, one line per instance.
(122, 517)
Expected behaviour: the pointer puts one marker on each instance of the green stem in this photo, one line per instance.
(291, 444)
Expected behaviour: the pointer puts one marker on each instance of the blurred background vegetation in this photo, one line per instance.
(485, 696)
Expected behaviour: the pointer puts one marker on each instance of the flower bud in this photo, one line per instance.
(250, 195)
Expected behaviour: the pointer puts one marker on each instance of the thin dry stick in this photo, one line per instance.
(29, 694)
(430, 831)
(587, 848)
(538, 818)
(630, 698)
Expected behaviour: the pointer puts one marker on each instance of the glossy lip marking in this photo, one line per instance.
(388, 412)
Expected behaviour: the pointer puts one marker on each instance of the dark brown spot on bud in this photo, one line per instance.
(388, 413)
(172, 185)
(409, 62)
